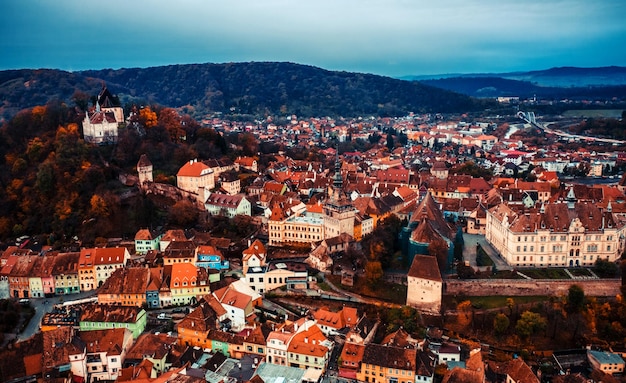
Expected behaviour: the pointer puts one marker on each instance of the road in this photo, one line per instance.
(45, 305)
(469, 252)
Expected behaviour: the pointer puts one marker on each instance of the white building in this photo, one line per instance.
(556, 235)
(425, 286)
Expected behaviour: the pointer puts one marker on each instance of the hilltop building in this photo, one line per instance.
(100, 126)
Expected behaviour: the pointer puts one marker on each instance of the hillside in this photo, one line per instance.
(498, 86)
(237, 88)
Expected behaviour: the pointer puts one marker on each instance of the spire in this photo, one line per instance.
(571, 199)
(609, 207)
(338, 180)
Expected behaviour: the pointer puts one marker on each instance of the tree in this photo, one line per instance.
(575, 299)
(183, 214)
(439, 248)
(390, 144)
(529, 324)
(501, 324)
(373, 272)
(147, 117)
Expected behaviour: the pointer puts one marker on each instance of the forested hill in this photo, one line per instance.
(257, 88)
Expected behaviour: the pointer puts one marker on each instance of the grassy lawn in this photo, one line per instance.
(505, 274)
(482, 259)
(580, 272)
(389, 292)
(490, 302)
(545, 273)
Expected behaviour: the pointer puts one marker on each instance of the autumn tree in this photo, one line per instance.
(373, 272)
(501, 324)
(529, 324)
(575, 299)
(170, 120)
(147, 117)
(183, 214)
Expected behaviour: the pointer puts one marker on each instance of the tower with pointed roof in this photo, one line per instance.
(339, 212)
(144, 169)
(101, 124)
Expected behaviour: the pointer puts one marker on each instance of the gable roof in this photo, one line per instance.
(425, 267)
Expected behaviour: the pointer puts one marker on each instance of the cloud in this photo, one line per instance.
(391, 37)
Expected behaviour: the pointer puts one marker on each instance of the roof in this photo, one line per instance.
(102, 256)
(126, 280)
(390, 357)
(425, 267)
(144, 161)
(193, 168)
(110, 341)
(604, 357)
(110, 313)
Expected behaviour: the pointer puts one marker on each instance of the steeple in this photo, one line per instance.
(571, 199)
(337, 179)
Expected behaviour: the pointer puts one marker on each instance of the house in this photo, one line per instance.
(309, 348)
(101, 124)
(194, 329)
(425, 366)
(273, 275)
(188, 283)
(350, 360)
(607, 362)
(105, 354)
(249, 163)
(227, 205)
(195, 177)
(65, 273)
(146, 240)
(171, 236)
(95, 265)
(210, 258)
(103, 317)
(383, 364)
(126, 286)
(254, 255)
(154, 348)
(239, 301)
(331, 323)
(181, 251)
(515, 370)
(19, 276)
(230, 183)
(425, 285)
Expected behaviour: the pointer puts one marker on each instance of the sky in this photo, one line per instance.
(387, 37)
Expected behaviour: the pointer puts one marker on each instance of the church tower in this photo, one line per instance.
(144, 168)
(339, 212)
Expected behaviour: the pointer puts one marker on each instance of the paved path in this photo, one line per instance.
(469, 251)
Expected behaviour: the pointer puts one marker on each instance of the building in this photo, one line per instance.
(65, 273)
(101, 125)
(144, 169)
(194, 329)
(425, 285)
(126, 286)
(239, 301)
(607, 362)
(227, 205)
(146, 240)
(339, 212)
(254, 256)
(210, 258)
(195, 177)
(188, 283)
(105, 354)
(103, 317)
(382, 364)
(556, 234)
(154, 348)
(274, 275)
(309, 348)
(331, 323)
(96, 265)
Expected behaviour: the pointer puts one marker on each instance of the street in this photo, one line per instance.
(45, 305)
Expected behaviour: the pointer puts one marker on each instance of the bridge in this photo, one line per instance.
(529, 117)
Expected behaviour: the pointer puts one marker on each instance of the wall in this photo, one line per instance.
(516, 287)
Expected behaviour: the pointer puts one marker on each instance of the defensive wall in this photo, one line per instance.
(521, 287)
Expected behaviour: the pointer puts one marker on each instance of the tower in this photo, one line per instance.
(339, 212)
(144, 168)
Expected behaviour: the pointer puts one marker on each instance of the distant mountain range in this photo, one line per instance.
(565, 82)
(240, 89)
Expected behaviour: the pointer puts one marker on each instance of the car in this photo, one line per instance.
(163, 316)
(24, 301)
(179, 310)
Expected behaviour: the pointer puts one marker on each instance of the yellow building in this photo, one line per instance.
(383, 364)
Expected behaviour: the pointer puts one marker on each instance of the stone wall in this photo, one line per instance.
(521, 287)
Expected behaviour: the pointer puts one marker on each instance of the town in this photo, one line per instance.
(339, 250)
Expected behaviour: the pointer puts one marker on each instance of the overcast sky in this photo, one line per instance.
(387, 37)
